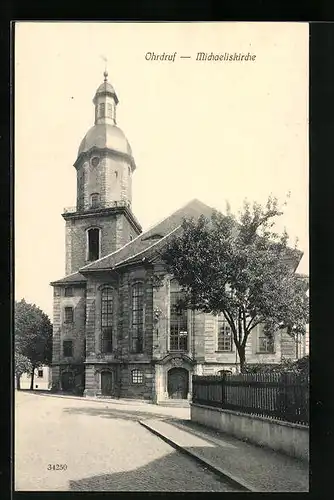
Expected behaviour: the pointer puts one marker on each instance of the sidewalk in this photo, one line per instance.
(246, 466)
(123, 401)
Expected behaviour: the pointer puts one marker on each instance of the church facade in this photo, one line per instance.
(117, 331)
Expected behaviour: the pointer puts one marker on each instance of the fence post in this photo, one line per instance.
(283, 407)
(223, 389)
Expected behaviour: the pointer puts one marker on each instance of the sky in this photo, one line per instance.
(213, 130)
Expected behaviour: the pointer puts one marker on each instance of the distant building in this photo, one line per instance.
(42, 379)
(116, 332)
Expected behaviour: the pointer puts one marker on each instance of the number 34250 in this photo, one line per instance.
(56, 467)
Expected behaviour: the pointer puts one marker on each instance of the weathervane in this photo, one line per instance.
(105, 74)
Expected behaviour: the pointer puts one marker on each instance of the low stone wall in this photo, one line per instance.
(291, 439)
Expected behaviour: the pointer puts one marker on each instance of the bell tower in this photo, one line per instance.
(102, 220)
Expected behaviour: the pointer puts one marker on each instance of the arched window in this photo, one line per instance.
(93, 244)
(137, 317)
(224, 340)
(137, 376)
(101, 110)
(106, 319)
(94, 200)
(178, 337)
(224, 372)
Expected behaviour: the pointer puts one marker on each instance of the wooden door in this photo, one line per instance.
(67, 382)
(178, 380)
(106, 383)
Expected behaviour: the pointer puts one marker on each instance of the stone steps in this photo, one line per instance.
(175, 403)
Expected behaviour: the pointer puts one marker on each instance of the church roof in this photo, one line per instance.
(105, 136)
(152, 239)
(105, 88)
(74, 278)
(147, 243)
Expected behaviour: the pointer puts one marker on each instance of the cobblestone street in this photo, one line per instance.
(103, 446)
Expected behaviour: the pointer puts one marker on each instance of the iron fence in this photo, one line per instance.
(283, 396)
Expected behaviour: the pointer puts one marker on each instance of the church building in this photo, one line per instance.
(116, 329)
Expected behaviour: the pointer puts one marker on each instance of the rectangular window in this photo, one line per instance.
(265, 344)
(67, 348)
(178, 338)
(106, 320)
(68, 291)
(40, 373)
(68, 314)
(137, 377)
(224, 335)
(137, 326)
(106, 346)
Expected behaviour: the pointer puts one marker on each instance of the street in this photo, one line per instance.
(68, 444)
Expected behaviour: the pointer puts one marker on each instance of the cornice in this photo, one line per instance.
(104, 212)
(104, 152)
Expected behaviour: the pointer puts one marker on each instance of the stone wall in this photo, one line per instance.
(111, 179)
(138, 391)
(291, 439)
(72, 331)
(76, 239)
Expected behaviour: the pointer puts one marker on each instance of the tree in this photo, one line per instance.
(240, 267)
(33, 335)
(300, 366)
(22, 365)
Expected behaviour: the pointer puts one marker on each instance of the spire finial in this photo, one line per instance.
(105, 74)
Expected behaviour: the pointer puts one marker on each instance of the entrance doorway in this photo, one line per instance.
(178, 383)
(107, 383)
(67, 382)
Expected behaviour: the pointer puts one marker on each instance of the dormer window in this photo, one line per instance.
(94, 200)
(93, 244)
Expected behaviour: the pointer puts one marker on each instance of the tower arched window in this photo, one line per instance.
(107, 310)
(102, 108)
(137, 317)
(94, 200)
(109, 110)
(93, 244)
(178, 334)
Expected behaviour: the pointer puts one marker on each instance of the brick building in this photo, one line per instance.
(116, 329)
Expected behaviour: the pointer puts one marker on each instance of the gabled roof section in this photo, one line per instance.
(146, 241)
(75, 278)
